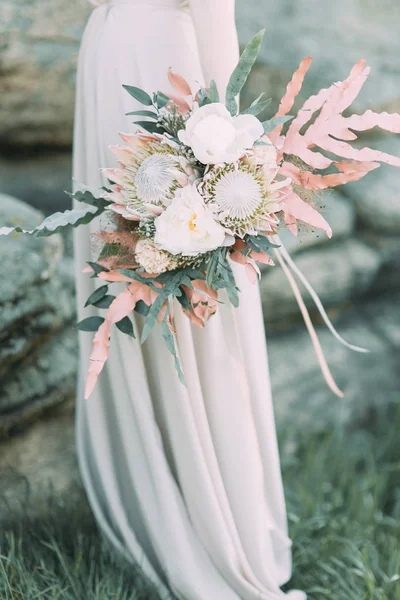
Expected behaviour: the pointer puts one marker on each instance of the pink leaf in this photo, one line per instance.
(292, 90)
(101, 343)
(331, 131)
(262, 257)
(179, 83)
(295, 207)
(348, 171)
(181, 103)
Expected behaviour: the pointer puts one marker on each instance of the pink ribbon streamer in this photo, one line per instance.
(313, 335)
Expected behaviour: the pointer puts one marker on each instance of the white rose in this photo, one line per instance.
(188, 226)
(217, 137)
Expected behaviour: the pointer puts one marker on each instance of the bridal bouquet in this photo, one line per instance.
(200, 186)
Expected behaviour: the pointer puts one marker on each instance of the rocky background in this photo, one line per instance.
(356, 274)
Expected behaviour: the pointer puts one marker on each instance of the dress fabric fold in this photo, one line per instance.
(185, 481)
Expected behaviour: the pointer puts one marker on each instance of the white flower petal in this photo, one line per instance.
(217, 137)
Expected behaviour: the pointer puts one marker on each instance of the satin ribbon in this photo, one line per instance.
(287, 263)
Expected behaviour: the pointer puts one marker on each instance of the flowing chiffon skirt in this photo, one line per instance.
(184, 481)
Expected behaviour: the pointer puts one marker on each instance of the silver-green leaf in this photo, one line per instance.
(242, 71)
(56, 222)
(257, 106)
(139, 95)
(272, 123)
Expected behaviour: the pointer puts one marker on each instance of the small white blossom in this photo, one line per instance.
(152, 259)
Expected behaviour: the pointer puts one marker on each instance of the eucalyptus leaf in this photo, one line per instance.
(153, 313)
(184, 300)
(125, 325)
(242, 71)
(96, 268)
(90, 324)
(88, 198)
(105, 301)
(169, 341)
(97, 295)
(213, 93)
(143, 113)
(203, 97)
(162, 99)
(141, 308)
(57, 221)
(257, 106)
(149, 126)
(272, 123)
(139, 95)
(211, 269)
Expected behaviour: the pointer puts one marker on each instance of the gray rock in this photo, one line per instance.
(38, 347)
(337, 272)
(26, 260)
(387, 280)
(46, 378)
(336, 35)
(369, 381)
(377, 197)
(39, 178)
(40, 41)
(39, 47)
(38, 468)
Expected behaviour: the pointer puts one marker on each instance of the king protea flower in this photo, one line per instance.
(245, 198)
(149, 175)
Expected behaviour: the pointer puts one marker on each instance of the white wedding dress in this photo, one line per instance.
(184, 481)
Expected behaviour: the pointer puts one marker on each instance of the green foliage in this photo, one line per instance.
(142, 309)
(139, 95)
(143, 113)
(161, 99)
(169, 341)
(105, 301)
(343, 494)
(203, 97)
(342, 490)
(126, 326)
(272, 123)
(62, 557)
(87, 198)
(57, 222)
(96, 268)
(242, 71)
(150, 126)
(90, 324)
(69, 218)
(97, 295)
(257, 106)
(213, 93)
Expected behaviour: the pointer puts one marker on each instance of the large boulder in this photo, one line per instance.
(338, 272)
(37, 69)
(337, 35)
(38, 468)
(38, 355)
(377, 196)
(40, 42)
(369, 381)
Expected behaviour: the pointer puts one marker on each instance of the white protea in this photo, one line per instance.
(246, 202)
(149, 175)
(152, 259)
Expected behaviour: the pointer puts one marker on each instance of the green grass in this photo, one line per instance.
(343, 496)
